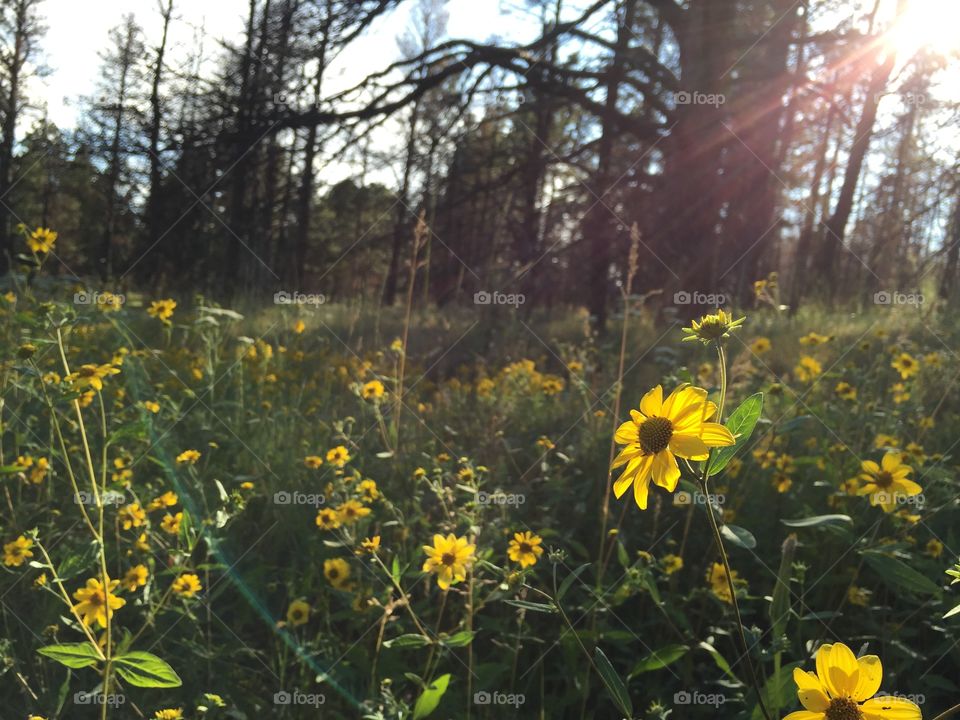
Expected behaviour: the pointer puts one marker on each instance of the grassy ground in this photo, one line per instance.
(243, 568)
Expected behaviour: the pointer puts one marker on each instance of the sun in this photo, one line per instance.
(927, 24)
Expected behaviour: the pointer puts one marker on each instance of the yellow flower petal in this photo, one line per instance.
(843, 670)
(641, 491)
(626, 455)
(628, 433)
(716, 435)
(871, 673)
(890, 708)
(810, 691)
(665, 471)
(907, 487)
(652, 402)
(890, 462)
(688, 446)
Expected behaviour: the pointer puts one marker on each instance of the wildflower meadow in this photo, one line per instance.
(479, 360)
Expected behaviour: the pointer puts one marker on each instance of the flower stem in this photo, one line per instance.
(718, 538)
(944, 715)
(733, 596)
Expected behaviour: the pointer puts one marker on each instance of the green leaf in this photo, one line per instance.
(898, 574)
(407, 641)
(460, 639)
(739, 536)
(774, 693)
(952, 612)
(568, 581)
(613, 682)
(145, 669)
(720, 660)
(818, 520)
(73, 655)
(659, 659)
(430, 698)
(780, 604)
(536, 607)
(741, 423)
(395, 570)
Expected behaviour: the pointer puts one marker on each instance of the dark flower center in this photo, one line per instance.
(884, 479)
(333, 573)
(525, 548)
(448, 558)
(655, 435)
(844, 708)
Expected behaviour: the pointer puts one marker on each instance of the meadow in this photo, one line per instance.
(328, 510)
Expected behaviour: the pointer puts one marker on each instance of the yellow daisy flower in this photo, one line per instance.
(525, 548)
(845, 391)
(843, 688)
(337, 572)
(135, 577)
(187, 585)
(807, 369)
(351, 511)
(906, 365)
(717, 577)
(328, 519)
(96, 604)
(41, 240)
(660, 432)
(162, 309)
(131, 516)
(17, 551)
(168, 714)
(339, 456)
(672, 563)
(448, 557)
(188, 457)
(91, 376)
(887, 483)
(372, 390)
(298, 613)
(171, 523)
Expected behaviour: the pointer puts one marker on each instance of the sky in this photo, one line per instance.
(77, 34)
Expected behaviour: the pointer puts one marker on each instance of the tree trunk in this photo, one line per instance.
(597, 224)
